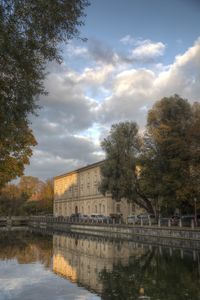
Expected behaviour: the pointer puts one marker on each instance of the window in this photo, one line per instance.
(118, 208)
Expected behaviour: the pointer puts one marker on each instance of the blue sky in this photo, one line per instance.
(137, 52)
(174, 22)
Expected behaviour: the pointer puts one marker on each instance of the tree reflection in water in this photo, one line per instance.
(113, 269)
(26, 247)
(155, 275)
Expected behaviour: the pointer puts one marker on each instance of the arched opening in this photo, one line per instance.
(76, 209)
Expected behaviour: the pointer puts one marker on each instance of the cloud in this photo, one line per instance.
(127, 40)
(81, 105)
(67, 103)
(136, 89)
(101, 52)
(183, 76)
(148, 50)
(96, 76)
(60, 150)
(33, 281)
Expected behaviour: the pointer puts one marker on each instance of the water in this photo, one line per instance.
(40, 266)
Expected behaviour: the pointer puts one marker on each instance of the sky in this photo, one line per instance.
(34, 281)
(137, 52)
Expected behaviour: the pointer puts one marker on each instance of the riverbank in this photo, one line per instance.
(118, 230)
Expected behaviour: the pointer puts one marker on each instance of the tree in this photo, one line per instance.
(168, 159)
(31, 32)
(11, 200)
(28, 185)
(193, 182)
(158, 275)
(119, 172)
(16, 140)
(166, 155)
(47, 196)
(40, 195)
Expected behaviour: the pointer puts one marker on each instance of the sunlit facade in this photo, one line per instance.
(78, 191)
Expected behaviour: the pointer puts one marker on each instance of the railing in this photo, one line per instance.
(163, 222)
(14, 221)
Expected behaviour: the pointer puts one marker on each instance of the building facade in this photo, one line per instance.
(78, 192)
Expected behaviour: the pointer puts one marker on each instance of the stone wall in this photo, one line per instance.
(171, 235)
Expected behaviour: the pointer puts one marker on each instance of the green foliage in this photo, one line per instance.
(193, 186)
(165, 159)
(168, 159)
(121, 147)
(31, 31)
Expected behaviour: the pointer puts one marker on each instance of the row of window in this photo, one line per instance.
(89, 179)
(62, 209)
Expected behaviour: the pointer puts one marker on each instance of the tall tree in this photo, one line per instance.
(119, 171)
(193, 186)
(30, 33)
(166, 155)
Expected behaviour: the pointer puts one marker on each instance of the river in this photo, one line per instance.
(73, 266)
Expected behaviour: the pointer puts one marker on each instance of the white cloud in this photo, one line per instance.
(33, 281)
(183, 76)
(96, 76)
(136, 89)
(82, 105)
(127, 39)
(147, 50)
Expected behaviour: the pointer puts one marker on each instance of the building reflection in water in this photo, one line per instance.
(126, 269)
(82, 260)
(114, 269)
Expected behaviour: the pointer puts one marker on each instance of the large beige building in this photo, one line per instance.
(77, 191)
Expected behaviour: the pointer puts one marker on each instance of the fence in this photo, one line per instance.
(162, 222)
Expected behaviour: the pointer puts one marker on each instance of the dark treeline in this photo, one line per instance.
(158, 169)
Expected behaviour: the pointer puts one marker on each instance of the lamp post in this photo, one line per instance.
(195, 211)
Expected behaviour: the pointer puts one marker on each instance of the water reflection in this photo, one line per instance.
(82, 259)
(75, 266)
(127, 270)
(26, 248)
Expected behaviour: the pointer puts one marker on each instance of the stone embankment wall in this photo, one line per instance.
(173, 236)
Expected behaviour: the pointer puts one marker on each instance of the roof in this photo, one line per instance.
(80, 169)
